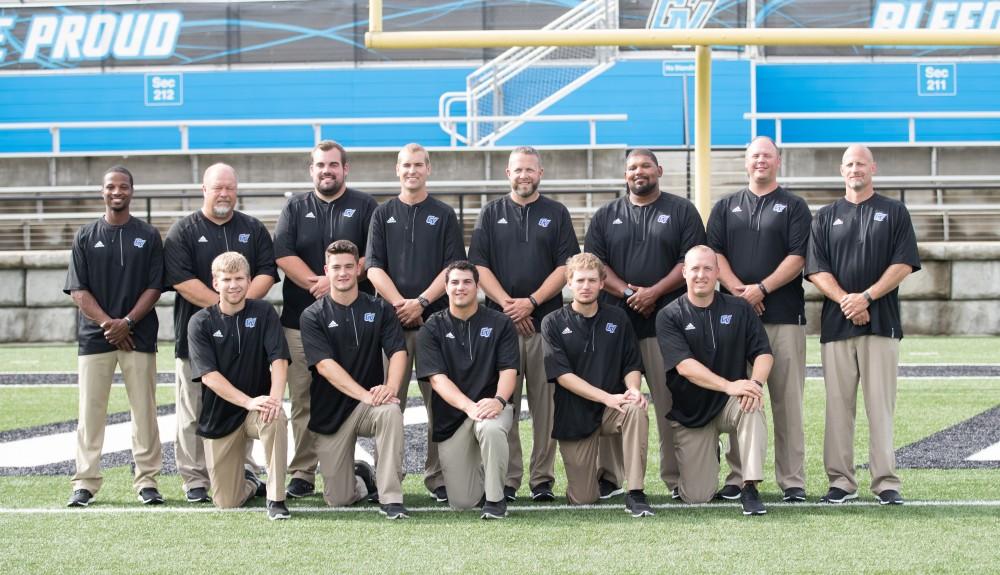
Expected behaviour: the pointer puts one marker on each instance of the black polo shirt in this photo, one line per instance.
(306, 227)
(116, 264)
(724, 337)
(857, 243)
(601, 350)
(642, 244)
(756, 235)
(191, 245)
(241, 348)
(471, 353)
(354, 336)
(521, 245)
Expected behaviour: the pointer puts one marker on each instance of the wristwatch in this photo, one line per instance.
(628, 292)
(868, 296)
(129, 323)
(423, 301)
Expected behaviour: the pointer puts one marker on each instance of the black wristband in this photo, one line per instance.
(763, 289)
(533, 301)
(503, 402)
(868, 296)
(423, 302)
(757, 382)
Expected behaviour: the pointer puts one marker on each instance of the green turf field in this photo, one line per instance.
(941, 529)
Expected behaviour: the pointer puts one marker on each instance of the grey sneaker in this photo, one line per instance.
(277, 510)
(728, 492)
(150, 496)
(366, 472)
(494, 510)
(80, 498)
(197, 495)
(838, 495)
(635, 503)
(750, 499)
(608, 489)
(394, 511)
(543, 492)
(299, 488)
(890, 497)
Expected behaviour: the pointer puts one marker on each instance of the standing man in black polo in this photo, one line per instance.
(591, 353)
(469, 354)
(115, 276)
(760, 235)
(520, 247)
(413, 237)
(191, 245)
(642, 238)
(307, 225)
(238, 351)
(862, 247)
(344, 336)
(707, 340)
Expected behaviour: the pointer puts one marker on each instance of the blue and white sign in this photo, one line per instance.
(936, 80)
(164, 89)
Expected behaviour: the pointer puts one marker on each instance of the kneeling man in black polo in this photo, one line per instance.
(238, 352)
(707, 339)
(470, 355)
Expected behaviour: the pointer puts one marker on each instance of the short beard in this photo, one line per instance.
(220, 212)
(643, 191)
(329, 192)
(525, 194)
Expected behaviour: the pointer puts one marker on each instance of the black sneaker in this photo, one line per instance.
(890, 497)
(509, 493)
(635, 503)
(675, 493)
(543, 492)
(794, 495)
(277, 510)
(394, 511)
(608, 489)
(837, 495)
(299, 488)
(197, 495)
(728, 492)
(261, 487)
(366, 472)
(80, 498)
(494, 510)
(150, 496)
(751, 500)
(440, 495)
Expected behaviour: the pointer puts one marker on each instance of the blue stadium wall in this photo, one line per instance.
(640, 88)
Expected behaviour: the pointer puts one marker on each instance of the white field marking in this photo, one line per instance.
(991, 453)
(143, 509)
(59, 447)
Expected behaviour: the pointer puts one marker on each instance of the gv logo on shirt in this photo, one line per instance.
(663, 218)
(485, 332)
(610, 327)
(544, 222)
(250, 322)
(431, 220)
(779, 207)
(349, 213)
(880, 216)
(726, 319)
(244, 238)
(370, 317)
(139, 242)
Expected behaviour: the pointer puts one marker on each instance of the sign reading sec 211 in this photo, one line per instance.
(936, 80)
(164, 89)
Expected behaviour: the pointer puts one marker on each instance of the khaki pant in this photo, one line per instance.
(336, 454)
(226, 457)
(189, 449)
(540, 403)
(139, 373)
(304, 458)
(474, 460)
(610, 463)
(696, 450)
(629, 430)
(785, 386)
(871, 360)
(432, 466)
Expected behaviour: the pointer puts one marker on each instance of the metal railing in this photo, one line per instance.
(55, 129)
(910, 118)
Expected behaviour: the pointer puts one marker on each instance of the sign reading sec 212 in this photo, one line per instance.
(164, 89)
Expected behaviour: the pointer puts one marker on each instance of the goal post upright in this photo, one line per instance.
(702, 39)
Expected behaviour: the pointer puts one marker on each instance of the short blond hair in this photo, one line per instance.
(414, 147)
(585, 261)
(230, 263)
